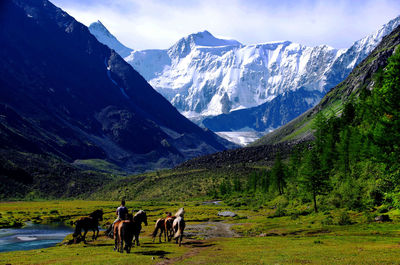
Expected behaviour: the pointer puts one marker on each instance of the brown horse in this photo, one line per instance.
(160, 225)
(169, 231)
(86, 223)
(165, 226)
(178, 226)
(123, 232)
(126, 230)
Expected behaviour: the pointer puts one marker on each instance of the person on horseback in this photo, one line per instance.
(122, 214)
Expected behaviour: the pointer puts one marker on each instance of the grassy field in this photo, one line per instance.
(312, 238)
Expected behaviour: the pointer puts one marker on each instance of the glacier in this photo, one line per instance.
(211, 80)
(202, 75)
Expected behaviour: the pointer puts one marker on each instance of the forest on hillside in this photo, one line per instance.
(352, 163)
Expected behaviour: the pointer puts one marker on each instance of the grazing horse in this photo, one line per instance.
(178, 226)
(86, 223)
(123, 232)
(160, 225)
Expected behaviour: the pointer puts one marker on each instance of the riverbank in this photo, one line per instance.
(33, 236)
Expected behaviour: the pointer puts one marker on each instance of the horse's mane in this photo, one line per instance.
(140, 212)
(180, 212)
(130, 217)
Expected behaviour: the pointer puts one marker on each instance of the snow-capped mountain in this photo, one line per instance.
(104, 36)
(202, 75)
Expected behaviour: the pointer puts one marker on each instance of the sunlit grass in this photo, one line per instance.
(313, 238)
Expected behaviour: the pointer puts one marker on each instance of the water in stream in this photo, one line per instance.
(32, 236)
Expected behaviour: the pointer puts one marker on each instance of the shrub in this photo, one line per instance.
(328, 220)
(344, 218)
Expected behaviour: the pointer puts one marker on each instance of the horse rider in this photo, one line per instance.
(122, 214)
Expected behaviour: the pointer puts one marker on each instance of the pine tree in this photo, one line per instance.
(386, 100)
(278, 174)
(313, 180)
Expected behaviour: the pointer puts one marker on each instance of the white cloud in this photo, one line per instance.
(158, 24)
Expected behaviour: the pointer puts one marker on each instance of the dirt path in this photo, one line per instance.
(206, 231)
(196, 246)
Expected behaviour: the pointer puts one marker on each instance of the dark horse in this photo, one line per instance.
(126, 230)
(86, 223)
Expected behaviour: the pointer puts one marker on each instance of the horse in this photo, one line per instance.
(160, 225)
(86, 223)
(165, 226)
(124, 232)
(178, 226)
(139, 217)
(169, 231)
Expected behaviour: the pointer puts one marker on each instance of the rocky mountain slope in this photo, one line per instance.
(299, 133)
(202, 76)
(360, 78)
(66, 95)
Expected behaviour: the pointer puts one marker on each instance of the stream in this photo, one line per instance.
(32, 236)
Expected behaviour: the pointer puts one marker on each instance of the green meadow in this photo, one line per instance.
(339, 237)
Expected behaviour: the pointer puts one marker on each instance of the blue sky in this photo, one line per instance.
(147, 24)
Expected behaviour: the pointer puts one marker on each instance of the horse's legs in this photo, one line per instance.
(121, 245)
(165, 236)
(84, 235)
(137, 239)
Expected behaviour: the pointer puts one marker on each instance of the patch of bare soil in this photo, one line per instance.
(210, 230)
(207, 231)
(195, 247)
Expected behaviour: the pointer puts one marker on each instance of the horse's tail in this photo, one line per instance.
(78, 228)
(77, 232)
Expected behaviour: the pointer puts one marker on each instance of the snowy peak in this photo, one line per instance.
(202, 75)
(205, 38)
(104, 36)
(100, 28)
(199, 40)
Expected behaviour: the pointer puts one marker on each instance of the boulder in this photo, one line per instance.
(227, 214)
(382, 218)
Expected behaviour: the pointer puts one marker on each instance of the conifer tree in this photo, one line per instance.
(278, 174)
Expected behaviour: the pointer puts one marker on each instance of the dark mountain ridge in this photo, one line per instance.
(65, 94)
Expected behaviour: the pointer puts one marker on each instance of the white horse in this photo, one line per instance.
(179, 225)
